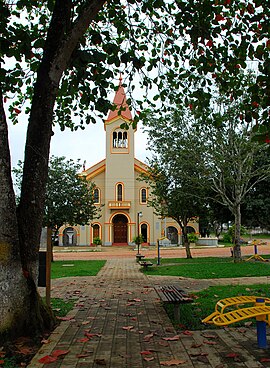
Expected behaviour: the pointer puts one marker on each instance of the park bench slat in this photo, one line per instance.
(174, 295)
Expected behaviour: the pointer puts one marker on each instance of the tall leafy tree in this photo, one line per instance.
(175, 172)
(231, 154)
(58, 61)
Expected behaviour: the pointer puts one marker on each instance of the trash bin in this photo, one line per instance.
(42, 269)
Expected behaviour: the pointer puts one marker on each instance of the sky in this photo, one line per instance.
(87, 145)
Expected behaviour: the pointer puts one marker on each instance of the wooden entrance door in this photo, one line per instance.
(120, 229)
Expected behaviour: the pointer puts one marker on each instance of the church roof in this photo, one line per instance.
(120, 100)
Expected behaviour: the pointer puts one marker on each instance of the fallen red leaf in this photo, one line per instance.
(128, 328)
(47, 359)
(262, 360)
(25, 351)
(90, 335)
(168, 363)
(208, 336)
(210, 342)
(148, 359)
(146, 352)
(2, 361)
(82, 355)
(187, 332)
(65, 318)
(148, 337)
(84, 339)
(58, 353)
(232, 355)
(174, 338)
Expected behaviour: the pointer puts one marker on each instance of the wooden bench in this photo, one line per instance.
(139, 257)
(145, 264)
(173, 295)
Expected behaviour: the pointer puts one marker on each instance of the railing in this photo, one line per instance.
(119, 204)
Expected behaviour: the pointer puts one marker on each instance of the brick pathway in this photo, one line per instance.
(118, 317)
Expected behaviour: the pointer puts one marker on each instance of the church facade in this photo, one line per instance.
(122, 198)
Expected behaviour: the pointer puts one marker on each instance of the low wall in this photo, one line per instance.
(208, 241)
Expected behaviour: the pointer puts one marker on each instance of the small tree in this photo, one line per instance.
(69, 197)
(138, 240)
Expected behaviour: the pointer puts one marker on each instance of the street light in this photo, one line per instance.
(138, 230)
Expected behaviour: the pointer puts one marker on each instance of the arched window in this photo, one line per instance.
(172, 234)
(125, 140)
(96, 231)
(143, 195)
(69, 237)
(119, 192)
(114, 139)
(144, 231)
(96, 195)
(120, 139)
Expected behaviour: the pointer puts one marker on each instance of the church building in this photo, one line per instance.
(120, 195)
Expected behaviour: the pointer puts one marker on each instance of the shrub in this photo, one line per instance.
(97, 241)
(138, 239)
(229, 236)
(192, 238)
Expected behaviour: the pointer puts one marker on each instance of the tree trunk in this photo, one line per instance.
(186, 241)
(237, 235)
(15, 302)
(22, 311)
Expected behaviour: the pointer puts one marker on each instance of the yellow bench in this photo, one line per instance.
(221, 318)
(259, 309)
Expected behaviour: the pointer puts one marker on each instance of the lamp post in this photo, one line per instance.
(138, 230)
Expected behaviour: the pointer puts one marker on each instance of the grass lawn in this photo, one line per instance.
(61, 307)
(209, 267)
(205, 301)
(76, 268)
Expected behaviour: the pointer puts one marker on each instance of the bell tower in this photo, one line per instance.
(119, 171)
